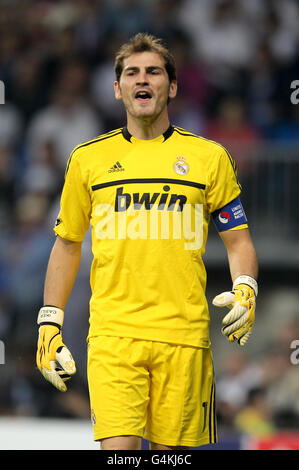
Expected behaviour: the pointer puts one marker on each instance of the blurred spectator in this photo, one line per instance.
(192, 75)
(286, 129)
(282, 378)
(27, 254)
(27, 85)
(255, 419)
(228, 39)
(283, 394)
(234, 131)
(7, 189)
(238, 376)
(60, 15)
(102, 90)
(11, 130)
(68, 121)
(62, 50)
(44, 175)
(164, 22)
(129, 17)
(281, 29)
(223, 38)
(186, 114)
(21, 393)
(93, 29)
(6, 316)
(10, 45)
(188, 109)
(11, 126)
(262, 88)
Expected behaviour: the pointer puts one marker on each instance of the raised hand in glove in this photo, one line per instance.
(238, 323)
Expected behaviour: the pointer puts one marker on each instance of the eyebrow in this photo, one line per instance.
(150, 68)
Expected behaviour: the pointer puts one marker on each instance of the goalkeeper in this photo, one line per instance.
(150, 367)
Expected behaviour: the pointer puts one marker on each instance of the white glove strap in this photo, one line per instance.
(246, 280)
(48, 314)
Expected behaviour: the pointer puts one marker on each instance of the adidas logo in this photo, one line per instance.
(116, 167)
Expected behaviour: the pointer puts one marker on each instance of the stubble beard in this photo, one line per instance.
(145, 115)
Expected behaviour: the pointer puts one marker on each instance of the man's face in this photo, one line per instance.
(144, 85)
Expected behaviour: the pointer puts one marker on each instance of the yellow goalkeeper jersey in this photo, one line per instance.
(149, 204)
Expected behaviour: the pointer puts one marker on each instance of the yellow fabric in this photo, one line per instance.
(148, 280)
(136, 385)
(240, 227)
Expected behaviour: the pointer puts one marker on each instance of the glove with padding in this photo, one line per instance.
(238, 323)
(53, 358)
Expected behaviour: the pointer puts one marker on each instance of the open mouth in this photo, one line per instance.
(143, 96)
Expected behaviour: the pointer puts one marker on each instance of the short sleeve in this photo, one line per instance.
(223, 181)
(75, 205)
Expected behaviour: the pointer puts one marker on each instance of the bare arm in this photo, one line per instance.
(61, 273)
(238, 323)
(241, 253)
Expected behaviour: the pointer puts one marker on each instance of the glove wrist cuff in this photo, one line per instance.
(49, 314)
(250, 281)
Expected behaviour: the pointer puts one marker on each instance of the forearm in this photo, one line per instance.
(243, 260)
(238, 323)
(61, 273)
(241, 253)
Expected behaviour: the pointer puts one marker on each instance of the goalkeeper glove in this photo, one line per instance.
(53, 358)
(238, 323)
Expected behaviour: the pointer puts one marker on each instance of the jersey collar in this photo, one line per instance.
(161, 138)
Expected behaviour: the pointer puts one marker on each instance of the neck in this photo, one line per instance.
(147, 128)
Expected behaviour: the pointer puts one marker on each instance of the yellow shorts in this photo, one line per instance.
(162, 392)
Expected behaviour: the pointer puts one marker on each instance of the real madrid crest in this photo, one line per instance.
(181, 167)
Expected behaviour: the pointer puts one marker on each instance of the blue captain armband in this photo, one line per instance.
(230, 216)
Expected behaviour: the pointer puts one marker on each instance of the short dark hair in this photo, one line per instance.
(144, 42)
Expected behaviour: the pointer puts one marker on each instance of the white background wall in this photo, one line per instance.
(46, 434)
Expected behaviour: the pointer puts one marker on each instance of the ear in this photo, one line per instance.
(117, 92)
(173, 88)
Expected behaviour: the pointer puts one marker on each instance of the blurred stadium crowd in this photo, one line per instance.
(236, 60)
